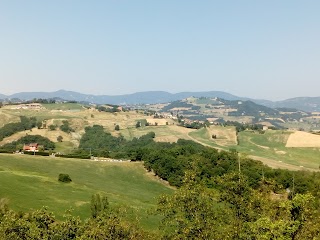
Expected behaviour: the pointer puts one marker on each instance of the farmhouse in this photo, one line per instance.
(32, 106)
(31, 147)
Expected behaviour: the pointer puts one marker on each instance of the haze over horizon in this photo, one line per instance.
(263, 50)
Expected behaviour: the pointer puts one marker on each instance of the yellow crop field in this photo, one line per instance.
(225, 136)
(166, 133)
(303, 139)
(159, 121)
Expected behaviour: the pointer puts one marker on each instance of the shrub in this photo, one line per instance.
(65, 127)
(99, 204)
(64, 178)
(37, 153)
(80, 156)
(52, 127)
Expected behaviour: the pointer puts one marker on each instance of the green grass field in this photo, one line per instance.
(30, 182)
(203, 136)
(270, 145)
(225, 136)
(64, 106)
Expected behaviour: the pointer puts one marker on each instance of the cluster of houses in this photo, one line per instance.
(33, 106)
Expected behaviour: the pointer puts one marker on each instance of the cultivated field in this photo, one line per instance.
(303, 140)
(30, 182)
(269, 148)
(52, 135)
(166, 133)
(272, 145)
(225, 136)
(159, 121)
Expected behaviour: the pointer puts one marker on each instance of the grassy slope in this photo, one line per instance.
(272, 145)
(203, 136)
(64, 106)
(269, 147)
(226, 136)
(31, 182)
(161, 132)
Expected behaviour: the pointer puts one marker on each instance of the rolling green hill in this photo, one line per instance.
(30, 182)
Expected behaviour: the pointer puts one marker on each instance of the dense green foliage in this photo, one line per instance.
(99, 204)
(250, 108)
(236, 211)
(65, 127)
(193, 125)
(194, 108)
(39, 153)
(109, 108)
(63, 177)
(103, 144)
(170, 161)
(242, 127)
(42, 101)
(177, 104)
(12, 128)
(52, 127)
(42, 225)
(18, 145)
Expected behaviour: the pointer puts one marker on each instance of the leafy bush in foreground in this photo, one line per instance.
(64, 178)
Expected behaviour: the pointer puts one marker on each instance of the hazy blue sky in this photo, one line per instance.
(260, 49)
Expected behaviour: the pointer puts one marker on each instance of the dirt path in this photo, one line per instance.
(260, 146)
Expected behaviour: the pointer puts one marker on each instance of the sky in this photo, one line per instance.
(258, 49)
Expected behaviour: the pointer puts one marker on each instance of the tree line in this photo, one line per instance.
(12, 128)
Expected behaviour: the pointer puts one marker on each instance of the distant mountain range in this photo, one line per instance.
(150, 97)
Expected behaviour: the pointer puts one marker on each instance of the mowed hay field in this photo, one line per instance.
(166, 133)
(159, 121)
(225, 136)
(51, 135)
(271, 146)
(6, 118)
(30, 182)
(303, 139)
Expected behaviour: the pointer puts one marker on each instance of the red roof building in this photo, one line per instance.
(31, 147)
